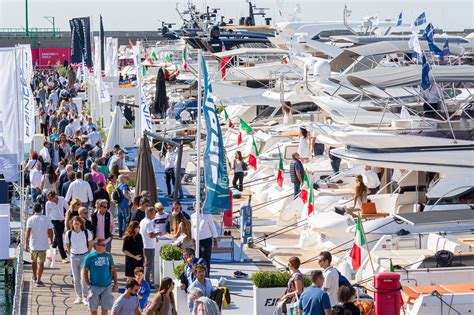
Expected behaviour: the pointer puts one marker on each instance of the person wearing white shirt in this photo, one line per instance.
(81, 190)
(149, 233)
(38, 230)
(331, 277)
(185, 116)
(207, 234)
(371, 180)
(35, 181)
(94, 137)
(78, 243)
(44, 153)
(170, 160)
(56, 207)
(70, 129)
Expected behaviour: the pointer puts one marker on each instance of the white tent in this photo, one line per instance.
(115, 131)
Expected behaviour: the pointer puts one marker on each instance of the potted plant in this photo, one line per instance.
(268, 287)
(171, 256)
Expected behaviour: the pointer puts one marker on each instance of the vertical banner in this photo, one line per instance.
(10, 108)
(81, 41)
(25, 67)
(215, 163)
(145, 116)
(102, 45)
(111, 57)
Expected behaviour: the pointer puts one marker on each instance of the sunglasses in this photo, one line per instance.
(101, 244)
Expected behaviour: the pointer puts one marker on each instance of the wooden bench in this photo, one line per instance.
(370, 216)
(225, 249)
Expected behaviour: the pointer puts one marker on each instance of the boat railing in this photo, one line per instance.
(447, 193)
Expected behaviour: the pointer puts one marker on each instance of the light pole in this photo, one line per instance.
(51, 20)
(26, 16)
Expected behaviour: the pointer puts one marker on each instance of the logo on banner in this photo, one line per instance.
(25, 92)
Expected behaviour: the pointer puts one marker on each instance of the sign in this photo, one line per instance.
(215, 162)
(25, 62)
(50, 56)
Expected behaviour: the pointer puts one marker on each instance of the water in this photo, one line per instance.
(6, 289)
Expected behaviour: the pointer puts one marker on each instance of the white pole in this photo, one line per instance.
(198, 144)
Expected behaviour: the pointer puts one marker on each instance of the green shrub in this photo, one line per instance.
(178, 270)
(274, 279)
(132, 182)
(171, 252)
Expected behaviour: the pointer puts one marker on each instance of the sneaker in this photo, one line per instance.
(240, 274)
(84, 301)
(65, 261)
(78, 300)
(33, 278)
(39, 283)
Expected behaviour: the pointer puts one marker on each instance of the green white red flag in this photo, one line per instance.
(356, 251)
(184, 58)
(227, 118)
(253, 154)
(244, 127)
(154, 56)
(306, 195)
(143, 71)
(280, 169)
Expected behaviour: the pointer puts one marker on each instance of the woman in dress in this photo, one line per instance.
(294, 288)
(360, 192)
(133, 249)
(182, 226)
(304, 149)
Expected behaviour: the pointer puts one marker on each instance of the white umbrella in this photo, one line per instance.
(115, 131)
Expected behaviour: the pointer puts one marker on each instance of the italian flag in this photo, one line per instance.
(130, 44)
(280, 170)
(184, 57)
(359, 241)
(307, 194)
(244, 127)
(253, 155)
(143, 71)
(227, 118)
(154, 57)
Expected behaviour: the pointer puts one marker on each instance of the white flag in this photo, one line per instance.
(414, 44)
(145, 116)
(25, 62)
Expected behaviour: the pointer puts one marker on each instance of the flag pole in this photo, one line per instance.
(198, 144)
(367, 246)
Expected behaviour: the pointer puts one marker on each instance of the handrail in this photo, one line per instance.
(448, 192)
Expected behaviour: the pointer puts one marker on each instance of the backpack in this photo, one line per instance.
(69, 233)
(245, 166)
(343, 280)
(117, 195)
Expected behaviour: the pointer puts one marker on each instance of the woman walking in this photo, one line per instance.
(133, 249)
(239, 167)
(163, 302)
(294, 288)
(72, 212)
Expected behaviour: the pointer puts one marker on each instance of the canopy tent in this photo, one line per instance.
(145, 171)
(406, 76)
(114, 135)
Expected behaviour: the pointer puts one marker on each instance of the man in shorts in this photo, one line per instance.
(99, 272)
(127, 303)
(38, 230)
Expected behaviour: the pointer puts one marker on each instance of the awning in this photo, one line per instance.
(411, 75)
(436, 217)
(251, 51)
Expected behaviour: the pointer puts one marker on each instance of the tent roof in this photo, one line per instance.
(403, 76)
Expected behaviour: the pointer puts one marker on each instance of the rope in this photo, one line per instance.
(258, 179)
(277, 232)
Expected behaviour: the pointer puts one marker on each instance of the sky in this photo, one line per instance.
(146, 15)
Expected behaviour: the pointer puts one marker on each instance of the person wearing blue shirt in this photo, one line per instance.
(144, 291)
(98, 273)
(123, 205)
(190, 261)
(202, 283)
(314, 301)
(296, 173)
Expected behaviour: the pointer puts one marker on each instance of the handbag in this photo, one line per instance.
(368, 208)
(294, 309)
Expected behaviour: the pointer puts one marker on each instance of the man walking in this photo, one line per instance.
(98, 273)
(103, 223)
(56, 206)
(35, 181)
(207, 236)
(313, 300)
(127, 303)
(149, 234)
(170, 160)
(123, 205)
(81, 190)
(38, 230)
(331, 276)
(296, 173)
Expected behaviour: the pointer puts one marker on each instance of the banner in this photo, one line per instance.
(215, 163)
(111, 57)
(145, 116)
(81, 41)
(102, 45)
(25, 62)
(10, 110)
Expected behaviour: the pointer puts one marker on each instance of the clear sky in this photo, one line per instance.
(121, 15)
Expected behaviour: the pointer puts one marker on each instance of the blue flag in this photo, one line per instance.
(429, 32)
(425, 73)
(445, 51)
(400, 19)
(420, 20)
(215, 164)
